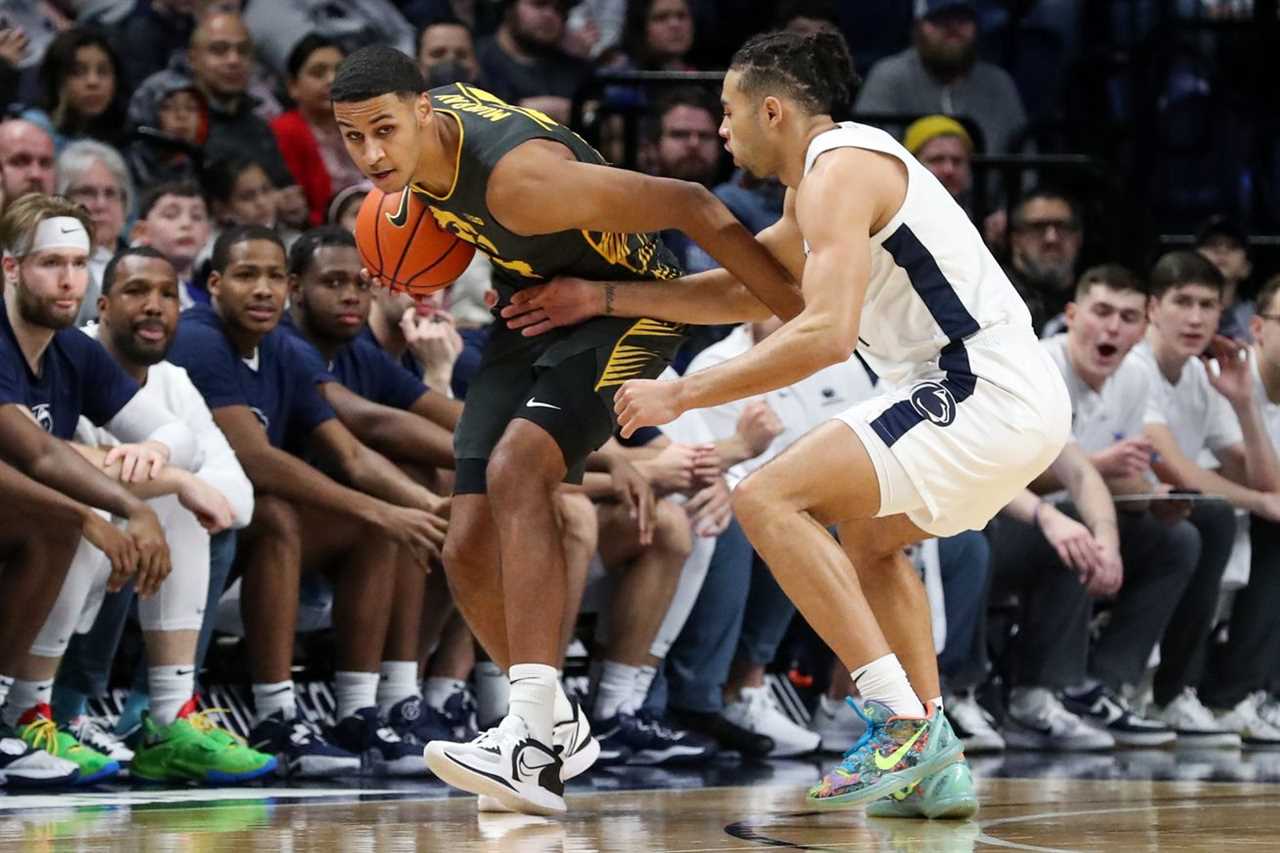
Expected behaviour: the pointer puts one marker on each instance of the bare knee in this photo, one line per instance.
(752, 501)
(275, 525)
(526, 464)
(579, 523)
(671, 530)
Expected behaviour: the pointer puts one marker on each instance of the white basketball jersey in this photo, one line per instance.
(933, 281)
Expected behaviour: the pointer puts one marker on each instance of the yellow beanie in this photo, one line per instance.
(928, 128)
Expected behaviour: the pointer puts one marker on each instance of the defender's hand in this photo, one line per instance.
(647, 402)
(564, 301)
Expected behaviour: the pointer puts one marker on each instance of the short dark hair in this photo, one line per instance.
(1267, 294)
(109, 274)
(234, 236)
(306, 46)
(815, 69)
(219, 177)
(818, 10)
(374, 71)
(685, 96)
(303, 252)
(182, 189)
(1114, 276)
(1174, 269)
(1046, 193)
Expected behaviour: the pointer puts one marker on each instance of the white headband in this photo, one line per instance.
(59, 232)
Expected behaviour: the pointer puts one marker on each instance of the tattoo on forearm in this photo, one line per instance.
(608, 299)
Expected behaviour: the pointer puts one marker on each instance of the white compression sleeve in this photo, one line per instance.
(142, 419)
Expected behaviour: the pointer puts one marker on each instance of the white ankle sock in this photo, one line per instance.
(885, 681)
(617, 681)
(397, 681)
(353, 691)
(436, 691)
(170, 687)
(276, 696)
(25, 695)
(640, 689)
(533, 697)
(5, 683)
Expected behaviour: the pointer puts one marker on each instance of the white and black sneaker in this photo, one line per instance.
(1037, 720)
(573, 742)
(505, 763)
(757, 711)
(22, 766)
(1107, 711)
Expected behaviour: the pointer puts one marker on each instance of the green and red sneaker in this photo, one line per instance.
(193, 749)
(37, 728)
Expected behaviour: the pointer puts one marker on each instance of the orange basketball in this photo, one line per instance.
(403, 247)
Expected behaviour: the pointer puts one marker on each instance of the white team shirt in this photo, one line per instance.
(933, 280)
(170, 386)
(1101, 418)
(1199, 417)
(1270, 410)
(801, 407)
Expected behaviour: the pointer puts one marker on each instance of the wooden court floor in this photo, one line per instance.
(1047, 814)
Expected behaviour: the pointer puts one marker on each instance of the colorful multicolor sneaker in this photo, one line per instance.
(947, 794)
(193, 749)
(38, 729)
(894, 753)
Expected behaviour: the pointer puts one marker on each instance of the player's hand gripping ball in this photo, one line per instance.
(402, 246)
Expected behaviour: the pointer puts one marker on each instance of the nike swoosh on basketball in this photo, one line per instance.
(883, 763)
(537, 404)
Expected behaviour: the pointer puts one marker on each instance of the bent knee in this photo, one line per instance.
(275, 518)
(671, 529)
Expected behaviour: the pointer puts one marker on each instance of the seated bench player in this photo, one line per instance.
(262, 392)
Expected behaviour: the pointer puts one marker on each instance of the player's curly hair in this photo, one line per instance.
(815, 69)
(374, 71)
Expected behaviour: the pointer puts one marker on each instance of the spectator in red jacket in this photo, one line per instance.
(307, 135)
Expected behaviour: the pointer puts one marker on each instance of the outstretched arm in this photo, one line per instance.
(603, 198)
(706, 298)
(837, 223)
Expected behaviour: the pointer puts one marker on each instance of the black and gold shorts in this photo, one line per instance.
(565, 386)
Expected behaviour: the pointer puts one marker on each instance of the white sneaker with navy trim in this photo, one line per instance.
(505, 763)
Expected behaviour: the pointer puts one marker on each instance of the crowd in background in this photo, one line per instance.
(293, 425)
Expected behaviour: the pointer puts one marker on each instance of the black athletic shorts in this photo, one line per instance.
(564, 384)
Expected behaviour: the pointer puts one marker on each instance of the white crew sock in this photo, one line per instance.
(398, 681)
(533, 697)
(564, 708)
(170, 688)
(25, 695)
(617, 681)
(353, 691)
(936, 701)
(885, 681)
(436, 690)
(5, 683)
(276, 696)
(640, 690)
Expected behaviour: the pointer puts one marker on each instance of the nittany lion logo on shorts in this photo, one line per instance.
(934, 402)
(43, 415)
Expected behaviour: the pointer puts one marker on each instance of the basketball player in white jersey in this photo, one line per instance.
(890, 266)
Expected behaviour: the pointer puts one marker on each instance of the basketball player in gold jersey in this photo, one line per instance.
(540, 202)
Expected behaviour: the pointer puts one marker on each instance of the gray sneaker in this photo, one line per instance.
(1037, 720)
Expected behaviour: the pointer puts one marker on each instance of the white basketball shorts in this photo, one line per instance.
(962, 436)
